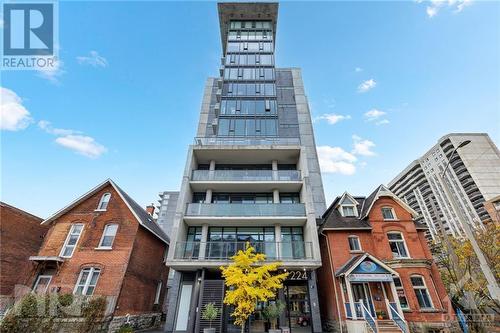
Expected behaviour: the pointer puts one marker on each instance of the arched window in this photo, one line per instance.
(108, 236)
(71, 240)
(87, 281)
(103, 203)
(354, 244)
(423, 297)
(398, 245)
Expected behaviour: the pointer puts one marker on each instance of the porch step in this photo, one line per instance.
(387, 326)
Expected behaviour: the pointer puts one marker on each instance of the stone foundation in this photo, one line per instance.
(330, 325)
(137, 322)
(427, 327)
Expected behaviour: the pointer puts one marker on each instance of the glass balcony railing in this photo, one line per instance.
(292, 250)
(222, 141)
(223, 209)
(246, 175)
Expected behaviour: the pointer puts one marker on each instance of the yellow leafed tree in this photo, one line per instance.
(249, 280)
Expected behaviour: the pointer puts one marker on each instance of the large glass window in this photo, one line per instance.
(226, 241)
(423, 298)
(397, 244)
(71, 240)
(87, 281)
(292, 243)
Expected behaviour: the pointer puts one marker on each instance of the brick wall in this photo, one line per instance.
(145, 270)
(21, 235)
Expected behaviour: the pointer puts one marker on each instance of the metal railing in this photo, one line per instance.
(222, 141)
(193, 250)
(227, 209)
(397, 318)
(372, 324)
(246, 175)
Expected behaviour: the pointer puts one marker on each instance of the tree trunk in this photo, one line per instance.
(243, 328)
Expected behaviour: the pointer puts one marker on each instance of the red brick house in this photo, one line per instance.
(104, 243)
(21, 235)
(376, 263)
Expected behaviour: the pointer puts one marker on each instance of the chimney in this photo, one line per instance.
(150, 209)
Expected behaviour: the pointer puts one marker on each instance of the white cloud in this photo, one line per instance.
(94, 60)
(374, 114)
(53, 74)
(13, 115)
(332, 118)
(358, 69)
(434, 6)
(367, 85)
(81, 144)
(74, 140)
(336, 160)
(362, 146)
(382, 122)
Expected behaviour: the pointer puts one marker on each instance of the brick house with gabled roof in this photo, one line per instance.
(104, 243)
(21, 234)
(376, 263)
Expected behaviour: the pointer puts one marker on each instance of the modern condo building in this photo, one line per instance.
(472, 177)
(252, 175)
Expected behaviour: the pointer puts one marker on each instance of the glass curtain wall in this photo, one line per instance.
(248, 101)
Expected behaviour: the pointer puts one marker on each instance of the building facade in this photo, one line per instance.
(253, 176)
(377, 268)
(21, 235)
(105, 244)
(166, 210)
(472, 177)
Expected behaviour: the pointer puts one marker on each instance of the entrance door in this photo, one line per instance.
(299, 311)
(361, 291)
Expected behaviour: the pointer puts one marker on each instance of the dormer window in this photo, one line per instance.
(103, 203)
(348, 211)
(348, 207)
(388, 213)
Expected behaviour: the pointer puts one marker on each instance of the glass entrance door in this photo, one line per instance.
(299, 311)
(361, 292)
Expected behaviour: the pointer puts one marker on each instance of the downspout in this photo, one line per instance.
(333, 279)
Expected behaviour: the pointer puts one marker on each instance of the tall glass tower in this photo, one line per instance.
(252, 176)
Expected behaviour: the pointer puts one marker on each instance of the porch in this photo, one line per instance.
(370, 296)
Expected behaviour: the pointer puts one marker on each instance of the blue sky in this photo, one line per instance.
(385, 80)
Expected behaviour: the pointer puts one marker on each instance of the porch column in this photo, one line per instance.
(203, 244)
(396, 298)
(351, 298)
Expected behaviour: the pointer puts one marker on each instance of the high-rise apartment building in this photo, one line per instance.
(253, 176)
(472, 177)
(166, 210)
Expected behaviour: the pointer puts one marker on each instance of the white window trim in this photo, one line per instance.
(394, 217)
(158, 292)
(67, 240)
(404, 291)
(100, 247)
(359, 243)
(87, 283)
(426, 290)
(408, 256)
(38, 281)
(355, 209)
(98, 209)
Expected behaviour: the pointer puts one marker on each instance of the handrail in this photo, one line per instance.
(368, 317)
(397, 318)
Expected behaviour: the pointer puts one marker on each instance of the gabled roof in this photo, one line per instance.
(350, 197)
(20, 211)
(333, 219)
(140, 214)
(383, 191)
(352, 263)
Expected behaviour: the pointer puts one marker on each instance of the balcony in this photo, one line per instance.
(245, 141)
(272, 213)
(221, 251)
(246, 175)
